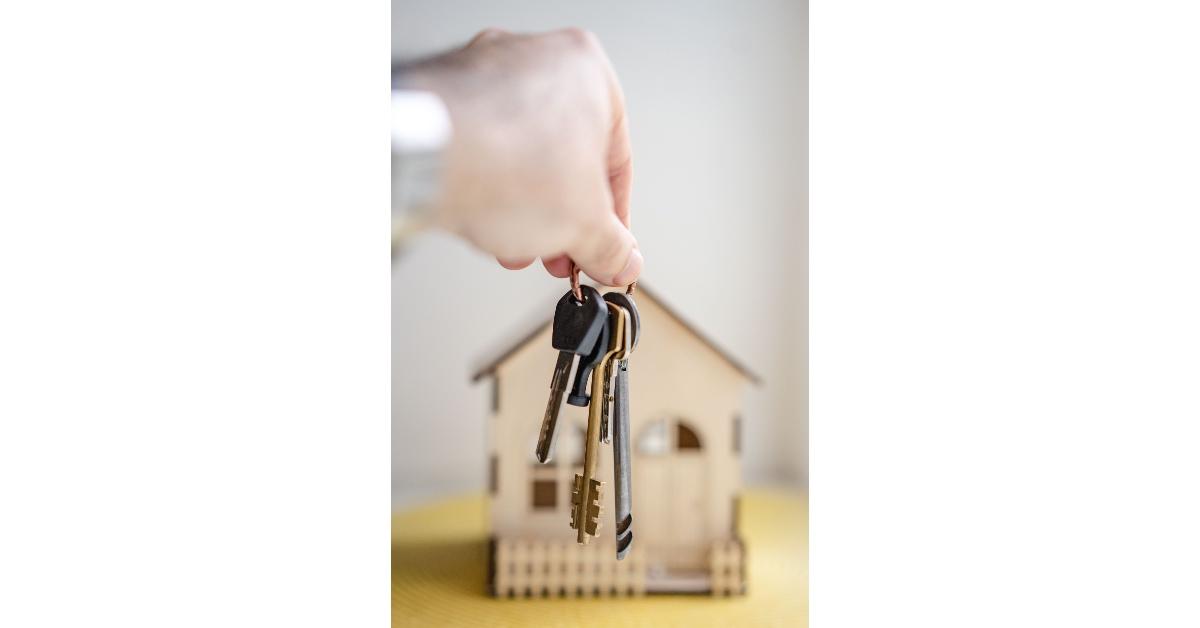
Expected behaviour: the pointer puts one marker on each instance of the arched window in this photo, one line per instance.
(661, 436)
(686, 437)
(653, 439)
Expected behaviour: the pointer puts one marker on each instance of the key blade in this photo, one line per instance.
(558, 386)
(562, 372)
(622, 462)
(590, 511)
(575, 499)
(606, 400)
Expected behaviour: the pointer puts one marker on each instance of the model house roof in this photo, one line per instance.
(642, 290)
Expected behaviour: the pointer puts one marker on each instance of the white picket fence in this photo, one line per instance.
(540, 568)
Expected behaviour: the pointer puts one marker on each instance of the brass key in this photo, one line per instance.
(585, 499)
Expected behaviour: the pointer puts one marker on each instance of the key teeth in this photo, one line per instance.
(594, 509)
(575, 497)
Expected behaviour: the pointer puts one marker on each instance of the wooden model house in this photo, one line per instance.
(685, 420)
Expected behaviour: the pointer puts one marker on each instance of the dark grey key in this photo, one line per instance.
(558, 385)
(622, 467)
(606, 399)
(580, 395)
(577, 327)
(622, 459)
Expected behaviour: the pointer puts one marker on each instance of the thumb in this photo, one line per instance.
(608, 252)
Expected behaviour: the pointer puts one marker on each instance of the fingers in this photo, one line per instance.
(559, 266)
(620, 170)
(620, 158)
(606, 249)
(608, 253)
(515, 264)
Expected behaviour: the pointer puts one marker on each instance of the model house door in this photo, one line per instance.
(671, 463)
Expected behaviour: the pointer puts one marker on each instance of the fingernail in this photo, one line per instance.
(633, 268)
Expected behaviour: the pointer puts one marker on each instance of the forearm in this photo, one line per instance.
(525, 172)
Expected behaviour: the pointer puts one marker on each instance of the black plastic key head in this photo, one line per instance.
(577, 324)
(580, 395)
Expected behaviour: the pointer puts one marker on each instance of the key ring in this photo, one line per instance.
(579, 294)
(575, 282)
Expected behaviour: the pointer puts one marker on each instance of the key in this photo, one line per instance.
(587, 363)
(585, 498)
(622, 461)
(626, 302)
(622, 469)
(608, 398)
(576, 330)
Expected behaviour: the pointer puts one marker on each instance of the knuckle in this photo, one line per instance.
(613, 251)
(488, 34)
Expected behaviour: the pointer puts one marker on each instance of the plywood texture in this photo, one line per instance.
(685, 400)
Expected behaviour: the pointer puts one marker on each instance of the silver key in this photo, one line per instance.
(622, 469)
(605, 411)
(622, 460)
(558, 386)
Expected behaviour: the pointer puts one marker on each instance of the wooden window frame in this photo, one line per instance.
(541, 489)
(686, 438)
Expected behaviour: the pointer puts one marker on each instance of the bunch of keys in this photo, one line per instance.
(603, 332)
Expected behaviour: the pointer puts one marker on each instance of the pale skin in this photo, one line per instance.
(540, 164)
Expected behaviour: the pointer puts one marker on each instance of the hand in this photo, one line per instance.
(539, 164)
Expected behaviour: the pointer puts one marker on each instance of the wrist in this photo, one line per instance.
(421, 132)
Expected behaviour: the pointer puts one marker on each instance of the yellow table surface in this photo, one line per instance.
(439, 573)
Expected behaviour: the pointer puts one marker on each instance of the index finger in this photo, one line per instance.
(620, 167)
(619, 160)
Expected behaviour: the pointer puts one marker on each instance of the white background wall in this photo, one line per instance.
(717, 104)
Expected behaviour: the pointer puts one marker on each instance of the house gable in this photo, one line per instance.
(685, 410)
(644, 294)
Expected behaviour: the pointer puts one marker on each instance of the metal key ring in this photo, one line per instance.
(630, 289)
(575, 282)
